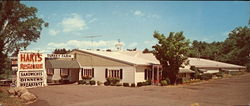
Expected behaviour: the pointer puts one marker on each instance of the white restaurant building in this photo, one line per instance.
(129, 66)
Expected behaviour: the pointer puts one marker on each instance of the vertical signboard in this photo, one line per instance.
(31, 69)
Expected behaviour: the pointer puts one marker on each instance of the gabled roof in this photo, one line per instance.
(61, 63)
(139, 58)
(122, 57)
(205, 63)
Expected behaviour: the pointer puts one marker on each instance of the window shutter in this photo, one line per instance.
(92, 72)
(145, 74)
(82, 71)
(106, 73)
(120, 73)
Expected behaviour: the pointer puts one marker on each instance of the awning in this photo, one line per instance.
(209, 71)
(61, 63)
(184, 70)
(230, 70)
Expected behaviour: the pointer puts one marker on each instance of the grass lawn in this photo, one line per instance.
(6, 100)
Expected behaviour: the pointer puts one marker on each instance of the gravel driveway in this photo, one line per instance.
(221, 92)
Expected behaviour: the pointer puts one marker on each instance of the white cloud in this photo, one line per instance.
(145, 14)
(153, 16)
(71, 44)
(73, 23)
(138, 13)
(132, 45)
(92, 20)
(53, 32)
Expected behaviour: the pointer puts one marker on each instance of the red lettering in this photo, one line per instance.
(39, 57)
(22, 56)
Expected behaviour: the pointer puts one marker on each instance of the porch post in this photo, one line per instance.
(80, 74)
(152, 79)
(157, 71)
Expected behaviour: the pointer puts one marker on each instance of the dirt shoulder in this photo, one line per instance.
(228, 91)
(6, 100)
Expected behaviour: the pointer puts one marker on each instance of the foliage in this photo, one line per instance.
(164, 83)
(171, 51)
(168, 80)
(92, 82)
(202, 49)
(113, 81)
(139, 84)
(99, 83)
(148, 82)
(106, 83)
(179, 81)
(235, 49)
(81, 82)
(126, 84)
(248, 67)
(61, 51)
(19, 26)
(206, 76)
(133, 85)
(146, 50)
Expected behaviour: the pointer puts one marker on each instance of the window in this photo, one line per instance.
(113, 73)
(147, 74)
(88, 72)
(64, 72)
(182, 75)
(50, 71)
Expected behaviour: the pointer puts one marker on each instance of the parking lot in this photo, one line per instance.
(221, 92)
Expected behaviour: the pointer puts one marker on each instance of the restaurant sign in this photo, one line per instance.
(60, 56)
(31, 69)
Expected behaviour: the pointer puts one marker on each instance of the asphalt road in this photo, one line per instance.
(221, 92)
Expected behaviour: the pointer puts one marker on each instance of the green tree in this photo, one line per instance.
(61, 51)
(236, 48)
(201, 49)
(19, 27)
(171, 51)
(146, 50)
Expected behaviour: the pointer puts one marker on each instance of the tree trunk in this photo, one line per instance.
(172, 75)
(2, 57)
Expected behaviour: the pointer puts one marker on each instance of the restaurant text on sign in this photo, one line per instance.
(60, 56)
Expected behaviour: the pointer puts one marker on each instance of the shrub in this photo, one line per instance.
(80, 82)
(106, 83)
(113, 81)
(168, 80)
(139, 84)
(133, 85)
(164, 82)
(206, 76)
(148, 82)
(92, 82)
(99, 82)
(126, 84)
(248, 67)
(179, 81)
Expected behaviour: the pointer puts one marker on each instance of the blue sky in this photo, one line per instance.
(133, 22)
